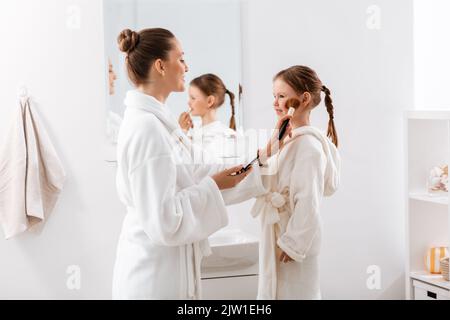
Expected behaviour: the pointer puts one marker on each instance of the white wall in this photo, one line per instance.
(369, 73)
(64, 70)
(432, 52)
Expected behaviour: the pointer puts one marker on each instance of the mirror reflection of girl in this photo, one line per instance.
(306, 168)
(206, 94)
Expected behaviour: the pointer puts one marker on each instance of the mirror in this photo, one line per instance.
(209, 32)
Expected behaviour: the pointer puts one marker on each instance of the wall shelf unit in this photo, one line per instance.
(427, 216)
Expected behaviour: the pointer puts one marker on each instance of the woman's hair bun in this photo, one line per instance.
(128, 40)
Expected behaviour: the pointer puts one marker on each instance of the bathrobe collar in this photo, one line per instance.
(139, 100)
(332, 170)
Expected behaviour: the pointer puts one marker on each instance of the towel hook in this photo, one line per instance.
(23, 93)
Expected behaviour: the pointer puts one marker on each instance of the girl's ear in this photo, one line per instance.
(305, 99)
(210, 100)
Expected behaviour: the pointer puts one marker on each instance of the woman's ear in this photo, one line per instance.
(159, 67)
(210, 100)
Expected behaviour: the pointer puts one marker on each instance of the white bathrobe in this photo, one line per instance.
(173, 205)
(306, 169)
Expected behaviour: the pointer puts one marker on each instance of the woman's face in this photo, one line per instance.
(281, 93)
(198, 102)
(175, 67)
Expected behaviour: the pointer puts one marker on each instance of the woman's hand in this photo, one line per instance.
(285, 258)
(225, 180)
(185, 121)
(273, 145)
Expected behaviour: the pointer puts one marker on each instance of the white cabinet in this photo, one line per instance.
(232, 288)
(427, 216)
(231, 271)
(238, 282)
(426, 291)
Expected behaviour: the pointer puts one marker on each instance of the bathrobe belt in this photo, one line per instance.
(193, 254)
(268, 208)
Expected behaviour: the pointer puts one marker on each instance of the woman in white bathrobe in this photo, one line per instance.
(305, 169)
(173, 204)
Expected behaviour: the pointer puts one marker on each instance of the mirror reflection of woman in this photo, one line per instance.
(172, 204)
(113, 120)
(112, 77)
(306, 168)
(207, 93)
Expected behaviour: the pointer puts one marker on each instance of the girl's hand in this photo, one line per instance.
(285, 258)
(226, 180)
(185, 121)
(273, 145)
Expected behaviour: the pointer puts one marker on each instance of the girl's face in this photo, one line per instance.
(198, 102)
(281, 93)
(175, 67)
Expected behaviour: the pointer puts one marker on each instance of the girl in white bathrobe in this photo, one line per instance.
(173, 203)
(304, 169)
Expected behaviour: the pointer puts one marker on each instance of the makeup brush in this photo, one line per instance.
(189, 112)
(292, 104)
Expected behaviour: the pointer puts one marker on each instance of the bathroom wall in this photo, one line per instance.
(60, 58)
(432, 52)
(368, 69)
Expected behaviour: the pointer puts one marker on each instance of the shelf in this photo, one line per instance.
(427, 219)
(427, 198)
(428, 114)
(433, 279)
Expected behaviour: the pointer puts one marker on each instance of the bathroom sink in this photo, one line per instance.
(232, 237)
(234, 252)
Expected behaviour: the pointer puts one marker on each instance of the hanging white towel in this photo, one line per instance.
(31, 174)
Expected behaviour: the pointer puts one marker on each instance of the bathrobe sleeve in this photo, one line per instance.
(251, 187)
(306, 190)
(174, 217)
(206, 164)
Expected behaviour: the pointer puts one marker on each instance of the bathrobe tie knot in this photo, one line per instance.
(269, 206)
(276, 199)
